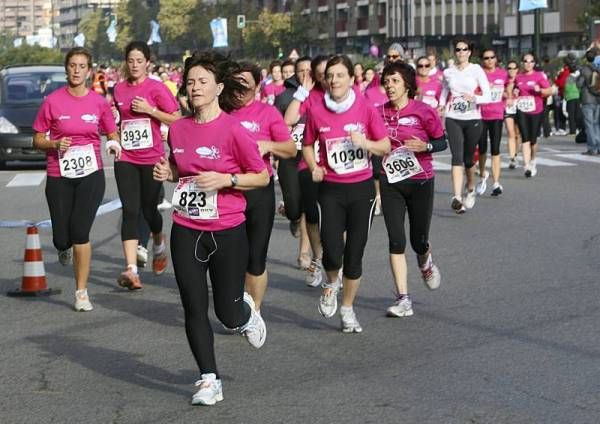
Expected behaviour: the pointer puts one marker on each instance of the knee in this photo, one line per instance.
(353, 270)
(256, 265)
(420, 245)
(233, 320)
(397, 247)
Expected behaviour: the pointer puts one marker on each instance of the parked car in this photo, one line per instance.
(22, 90)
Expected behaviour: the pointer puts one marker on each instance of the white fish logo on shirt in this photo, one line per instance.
(499, 82)
(251, 126)
(408, 121)
(89, 118)
(208, 152)
(63, 117)
(357, 127)
(430, 93)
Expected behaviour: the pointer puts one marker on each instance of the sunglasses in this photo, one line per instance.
(422, 65)
(464, 49)
(512, 68)
(528, 61)
(489, 57)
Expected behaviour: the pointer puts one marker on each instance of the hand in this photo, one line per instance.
(211, 180)
(415, 144)
(264, 147)
(468, 97)
(318, 174)
(510, 102)
(537, 88)
(114, 149)
(140, 105)
(358, 139)
(441, 109)
(162, 170)
(308, 82)
(63, 144)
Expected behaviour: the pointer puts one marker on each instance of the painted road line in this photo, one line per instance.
(25, 180)
(441, 166)
(551, 162)
(583, 158)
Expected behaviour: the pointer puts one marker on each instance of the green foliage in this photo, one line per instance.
(94, 26)
(30, 55)
(133, 21)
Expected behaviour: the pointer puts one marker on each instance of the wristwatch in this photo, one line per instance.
(234, 180)
(429, 147)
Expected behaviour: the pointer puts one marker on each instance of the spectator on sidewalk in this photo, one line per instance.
(588, 84)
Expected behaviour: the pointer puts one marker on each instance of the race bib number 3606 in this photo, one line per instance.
(401, 164)
(192, 202)
(343, 157)
(136, 134)
(78, 161)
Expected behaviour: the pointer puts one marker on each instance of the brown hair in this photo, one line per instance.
(78, 51)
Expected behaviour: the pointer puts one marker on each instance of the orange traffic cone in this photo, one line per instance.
(34, 275)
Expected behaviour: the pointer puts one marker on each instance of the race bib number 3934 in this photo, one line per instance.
(343, 157)
(136, 134)
(78, 161)
(401, 164)
(192, 202)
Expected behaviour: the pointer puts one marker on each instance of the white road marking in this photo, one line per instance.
(25, 180)
(583, 158)
(441, 166)
(551, 162)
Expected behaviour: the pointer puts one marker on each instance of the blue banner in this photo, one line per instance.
(154, 35)
(527, 5)
(111, 31)
(218, 26)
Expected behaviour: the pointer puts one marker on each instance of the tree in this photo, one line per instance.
(133, 21)
(94, 26)
(27, 54)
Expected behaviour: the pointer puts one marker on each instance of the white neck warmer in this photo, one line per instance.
(343, 106)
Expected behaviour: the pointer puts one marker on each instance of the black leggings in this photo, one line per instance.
(463, 136)
(287, 171)
(137, 189)
(494, 129)
(345, 207)
(529, 126)
(413, 196)
(73, 203)
(310, 196)
(225, 256)
(260, 214)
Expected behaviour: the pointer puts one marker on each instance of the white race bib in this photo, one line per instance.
(78, 161)
(136, 134)
(430, 100)
(526, 103)
(343, 157)
(461, 105)
(511, 110)
(401, 164)
(298, 135)
(191, 202)
(497, 92)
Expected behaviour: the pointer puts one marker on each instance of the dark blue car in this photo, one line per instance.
(22, 90)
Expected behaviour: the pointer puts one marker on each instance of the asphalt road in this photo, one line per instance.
(510, 337)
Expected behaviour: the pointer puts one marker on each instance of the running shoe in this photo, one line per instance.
(328, 302)
(470, 199)
(130, 280)
(349, 322)
(295, 228)
(65, 257)
(211, 390)
(512, 164)
(255, 329)
(164, 205)
(159, 257)
(431, 276)
(457, 206)
(315, 273)
(304, 260)
(402, 307)
(497, 189)
(527, 171)
(482, 185)
(142, 256)
(588, 153)
(377, 211)
(533, 168)
(82, 301)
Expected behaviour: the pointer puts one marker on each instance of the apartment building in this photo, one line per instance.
(70, 14)
(21, 18)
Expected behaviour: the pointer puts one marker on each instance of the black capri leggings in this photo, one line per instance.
(463, 136)
(494, 129)
(73, 203)
(287, 171)
(137, 189)
(224, 254)
(310, 196)
(345, 207)
(413, 196)
(529, 126)
(260, 214)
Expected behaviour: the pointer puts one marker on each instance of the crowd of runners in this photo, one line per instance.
(348, 143)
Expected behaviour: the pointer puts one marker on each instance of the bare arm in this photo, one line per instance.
(283, 150)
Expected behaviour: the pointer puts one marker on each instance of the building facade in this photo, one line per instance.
(22, 18)
(70, 14)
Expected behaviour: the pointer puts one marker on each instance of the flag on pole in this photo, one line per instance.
(111, 31)
(218, 26)
(79, 40)
(527, 5)
(154, 34)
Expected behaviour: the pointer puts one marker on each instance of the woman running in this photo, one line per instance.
(463, 119)
(429, 87)
(531, 87)
(275, 87)
(492, 115)
(213, 158)
(510, 115)
(74, 117)
(407, 179)
(143, 104)
(347, 130)
(272, 137)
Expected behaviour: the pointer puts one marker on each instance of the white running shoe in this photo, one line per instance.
(82, 301)
(164, 205)
(402, 307)
(211, 390)
(533, 168)
(328, 303)
(482, 185)
(377, 211)
(315, 273)
(470, 199)
(457, 205)
(349, 322)
(497, 190)
(142, 256)
(431, 276)
(65, 257)
(255, 329)
(512, 164)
